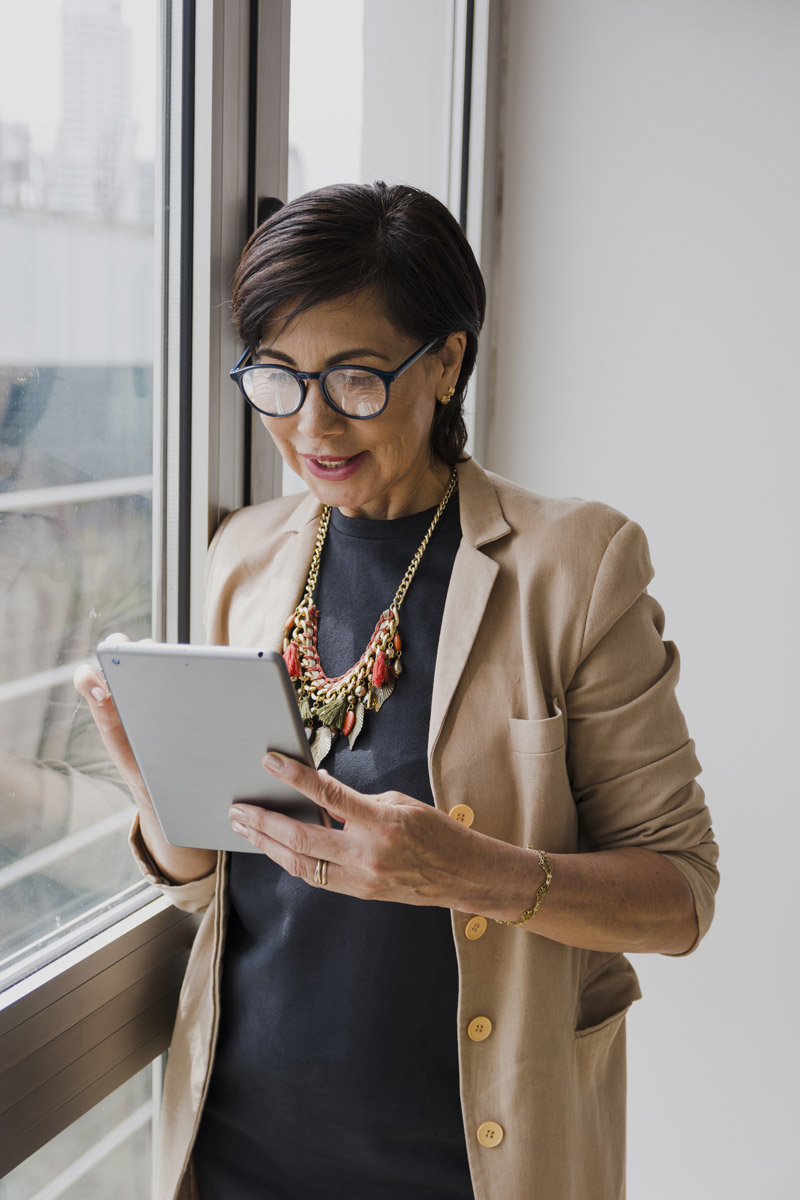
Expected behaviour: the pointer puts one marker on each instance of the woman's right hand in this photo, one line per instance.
(92, 686)
(177, 863)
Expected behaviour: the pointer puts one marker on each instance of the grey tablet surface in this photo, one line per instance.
(199, 720)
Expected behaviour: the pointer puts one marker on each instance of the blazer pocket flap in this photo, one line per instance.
(538, 737)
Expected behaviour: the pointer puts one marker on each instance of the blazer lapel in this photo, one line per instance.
(471, 583)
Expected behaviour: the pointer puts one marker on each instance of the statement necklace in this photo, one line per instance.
(332, 706)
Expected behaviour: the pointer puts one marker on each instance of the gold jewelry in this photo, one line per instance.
(321, 872)
(541, 891)
(448, 396)
(339, 704)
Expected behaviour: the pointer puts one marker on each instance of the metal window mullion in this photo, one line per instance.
(28, 499)
(221, 145)
(171, 237)
(157, 1068)
(457, 51)
(270, 177)
(482, 163)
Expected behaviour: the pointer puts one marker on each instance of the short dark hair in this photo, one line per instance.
(394, 240)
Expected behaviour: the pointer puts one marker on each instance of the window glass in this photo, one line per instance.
(371, 93)
(77, 205)
(371, 96)
(106, 1152)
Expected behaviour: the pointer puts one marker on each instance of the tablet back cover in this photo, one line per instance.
(199, 720)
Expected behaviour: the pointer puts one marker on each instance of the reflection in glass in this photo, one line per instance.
(76, 400)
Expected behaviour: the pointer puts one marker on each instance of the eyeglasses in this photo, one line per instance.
(353, 391)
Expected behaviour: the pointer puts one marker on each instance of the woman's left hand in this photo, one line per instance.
(392, 847)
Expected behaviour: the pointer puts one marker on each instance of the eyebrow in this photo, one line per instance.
(344, 356)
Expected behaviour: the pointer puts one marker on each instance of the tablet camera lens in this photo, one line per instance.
(115, 661)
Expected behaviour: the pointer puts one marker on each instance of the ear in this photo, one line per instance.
(449, 357)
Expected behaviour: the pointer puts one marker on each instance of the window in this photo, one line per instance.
(406, 93)
(76, 447)
(376, 92)
(81, 506)
(123, 209)
(82, 1014)
(106, 1152)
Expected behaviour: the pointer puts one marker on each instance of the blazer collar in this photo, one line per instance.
(471, 584)
(482, 519)
(308, 509)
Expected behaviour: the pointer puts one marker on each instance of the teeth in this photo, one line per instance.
(332, 466)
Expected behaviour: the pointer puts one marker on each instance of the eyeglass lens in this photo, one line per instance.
(277, 393)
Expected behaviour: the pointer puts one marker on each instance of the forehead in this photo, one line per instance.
(359, 319)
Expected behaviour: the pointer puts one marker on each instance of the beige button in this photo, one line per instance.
(490, 1133)
(476, 927)
(479, 1029)
(463, 814)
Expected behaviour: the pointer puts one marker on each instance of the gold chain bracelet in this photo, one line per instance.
(541, 891)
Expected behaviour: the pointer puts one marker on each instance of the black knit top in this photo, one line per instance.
(336, 1070)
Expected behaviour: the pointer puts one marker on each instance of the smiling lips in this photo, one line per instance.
(327, 467)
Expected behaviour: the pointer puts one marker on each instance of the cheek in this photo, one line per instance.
(280, 434)
(411, 425)
(414, 432)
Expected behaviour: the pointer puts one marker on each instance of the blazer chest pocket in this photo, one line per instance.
(537, 737)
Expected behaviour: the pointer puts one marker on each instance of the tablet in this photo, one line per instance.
(199, 720)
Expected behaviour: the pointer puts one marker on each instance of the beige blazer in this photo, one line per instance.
(554, 717)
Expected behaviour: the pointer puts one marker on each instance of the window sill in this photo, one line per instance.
(77, 1029)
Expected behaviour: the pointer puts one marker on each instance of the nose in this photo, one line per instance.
(316, 419)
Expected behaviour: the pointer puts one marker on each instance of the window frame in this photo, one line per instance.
(224, 147)
(78, 1028)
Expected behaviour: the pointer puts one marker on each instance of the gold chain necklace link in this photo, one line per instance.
(412, 567)
(340, 704)
(313, 570)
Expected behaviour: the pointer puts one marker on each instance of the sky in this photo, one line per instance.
(30, 68)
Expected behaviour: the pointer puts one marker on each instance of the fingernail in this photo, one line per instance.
(238, 828)
(273, 763)
(100, 694)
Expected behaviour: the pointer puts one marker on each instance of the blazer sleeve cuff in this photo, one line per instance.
(699, 868)
(193, 897)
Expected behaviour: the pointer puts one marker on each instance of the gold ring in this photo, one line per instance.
(321, 872)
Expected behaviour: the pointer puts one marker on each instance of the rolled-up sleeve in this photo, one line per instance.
(193, 897)
(632, 764)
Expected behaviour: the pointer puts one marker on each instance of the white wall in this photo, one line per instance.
(648, 321)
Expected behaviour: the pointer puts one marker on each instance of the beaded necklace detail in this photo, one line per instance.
(332, 706)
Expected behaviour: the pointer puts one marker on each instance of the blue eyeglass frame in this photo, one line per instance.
(302, 377)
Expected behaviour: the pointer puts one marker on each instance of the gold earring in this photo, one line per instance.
(448, 396)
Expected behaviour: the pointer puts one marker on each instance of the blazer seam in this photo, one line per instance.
(583, 653)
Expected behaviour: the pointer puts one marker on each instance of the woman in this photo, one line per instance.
(505, 762)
